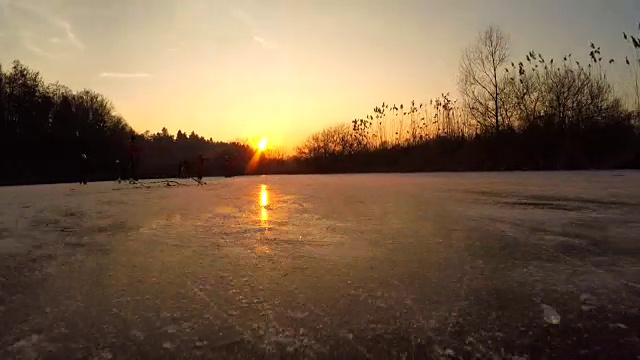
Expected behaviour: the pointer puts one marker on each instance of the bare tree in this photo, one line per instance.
(481, 81)
(335, 140)
(277, 153)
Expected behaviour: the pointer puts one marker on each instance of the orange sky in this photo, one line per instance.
(283, 68)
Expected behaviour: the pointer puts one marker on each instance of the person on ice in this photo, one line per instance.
(134, 158)
(83, 169)
(200, 167)
(120, 170)
(228, 166)
(182, 170)
(83, 163)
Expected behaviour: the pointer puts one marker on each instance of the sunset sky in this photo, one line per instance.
(284, 68)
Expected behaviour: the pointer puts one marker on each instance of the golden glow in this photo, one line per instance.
(272, 79)
(263, 249)
(262, 144)
(260, 147)
(264, 201)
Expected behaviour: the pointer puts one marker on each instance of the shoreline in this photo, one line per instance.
(374, 172)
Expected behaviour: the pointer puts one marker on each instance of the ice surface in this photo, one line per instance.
(352, 266)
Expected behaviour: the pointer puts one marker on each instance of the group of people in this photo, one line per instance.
(185, 168)
(129, 170)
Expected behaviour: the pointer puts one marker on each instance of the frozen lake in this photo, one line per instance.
(335, 266)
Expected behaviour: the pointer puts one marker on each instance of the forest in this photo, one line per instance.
(532, 114)
(45, 129)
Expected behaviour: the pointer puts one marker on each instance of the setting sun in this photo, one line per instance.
(262, 144)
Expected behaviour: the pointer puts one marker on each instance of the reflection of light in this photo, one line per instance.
(264, 201)
(263, 196)
(263, 249)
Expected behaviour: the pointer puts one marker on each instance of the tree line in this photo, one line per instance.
(533, 114)
(46, 127)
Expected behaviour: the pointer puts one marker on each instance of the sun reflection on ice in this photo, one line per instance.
(263, 215)
(263, 201)
(263, 249)
(263, 196)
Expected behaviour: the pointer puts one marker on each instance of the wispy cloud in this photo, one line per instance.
(71, 36)
(124, 75)
(39, 51)
(260, 40)
(264, 43)
(35, 23)
(246, 18)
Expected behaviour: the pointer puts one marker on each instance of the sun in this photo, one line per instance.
(262, 144)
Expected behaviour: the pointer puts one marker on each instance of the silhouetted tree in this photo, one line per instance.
(551, 115)
(45, 128)
(481, 82)
(536, 114)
